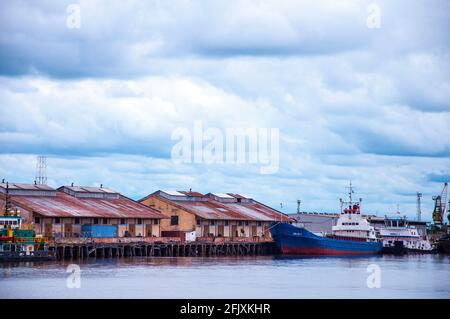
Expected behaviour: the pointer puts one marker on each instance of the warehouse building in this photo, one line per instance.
(231, 216)
(74, 211)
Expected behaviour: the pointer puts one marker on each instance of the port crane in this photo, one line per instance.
(440, 203)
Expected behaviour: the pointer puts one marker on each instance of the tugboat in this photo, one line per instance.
(17, 243)
(401, 238)
(352, 235)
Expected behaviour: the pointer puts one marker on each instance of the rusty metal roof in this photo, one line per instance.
(191, 193)
(239, 196)
(65, 205)
(208, 208)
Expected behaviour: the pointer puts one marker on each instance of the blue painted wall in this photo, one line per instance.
(99, 231)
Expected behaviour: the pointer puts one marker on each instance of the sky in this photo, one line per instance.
(359, 90)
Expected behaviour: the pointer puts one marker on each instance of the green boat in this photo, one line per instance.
(17, 244)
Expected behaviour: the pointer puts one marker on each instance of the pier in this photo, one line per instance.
(178, 249)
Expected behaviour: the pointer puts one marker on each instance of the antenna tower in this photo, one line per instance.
(41, 170)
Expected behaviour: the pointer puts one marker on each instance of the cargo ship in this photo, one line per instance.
(352, 235)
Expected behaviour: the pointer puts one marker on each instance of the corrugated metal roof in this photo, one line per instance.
(89, 189)
(208, 208)
(223, 195)
(35, 187)
(173, 193)
(65, 205)
(240, 196)
(191, 193)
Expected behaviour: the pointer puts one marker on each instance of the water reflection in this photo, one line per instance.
(419, 276)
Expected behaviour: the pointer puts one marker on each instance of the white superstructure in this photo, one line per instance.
(397, 229)
(350, 222)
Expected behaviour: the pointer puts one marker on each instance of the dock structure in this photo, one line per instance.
(176, 249)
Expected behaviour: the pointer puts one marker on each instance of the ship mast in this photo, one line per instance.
(350, 192)
(8, 205)
(350, 206)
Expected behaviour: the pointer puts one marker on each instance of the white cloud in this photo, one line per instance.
(351, 102)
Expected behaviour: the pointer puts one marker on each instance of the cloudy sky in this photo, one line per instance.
(351, 101)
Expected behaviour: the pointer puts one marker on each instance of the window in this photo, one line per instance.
(226, 223)
(213, 222)
(57, 220)
(95, 220)
(77, 220)
(246, 223)
(259, 224)
(197, 220)
(105, 221)
(239, 200)
(139, 221)
(122, 221)
(239, 223)
(173, 220)
(156, 221)
(37, 220)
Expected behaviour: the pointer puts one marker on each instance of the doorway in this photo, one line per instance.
(132, 230)
(48, 230)
(67, 230)
(205, 230)
(148, 230)
(234, 232)
(254, 231)
(220, 230)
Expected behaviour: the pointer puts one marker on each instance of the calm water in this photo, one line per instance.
(426, 276)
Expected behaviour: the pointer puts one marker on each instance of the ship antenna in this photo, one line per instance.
(7, 201)
(350, 192)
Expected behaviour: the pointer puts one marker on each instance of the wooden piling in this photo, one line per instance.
(182, 249)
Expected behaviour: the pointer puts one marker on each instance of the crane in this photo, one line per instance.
(448, 217)
(440, 203)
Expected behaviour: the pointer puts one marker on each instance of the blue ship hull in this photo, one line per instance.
(293, 240)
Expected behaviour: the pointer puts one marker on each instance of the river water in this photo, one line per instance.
(415, 276)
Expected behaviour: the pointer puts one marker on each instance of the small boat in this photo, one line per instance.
(352, 235)
(401, 238)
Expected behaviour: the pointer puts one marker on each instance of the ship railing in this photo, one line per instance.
(31, 240)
